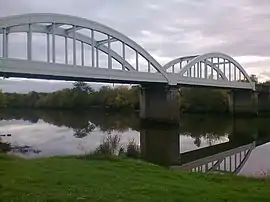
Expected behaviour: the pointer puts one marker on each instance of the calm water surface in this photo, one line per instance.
(202, 143)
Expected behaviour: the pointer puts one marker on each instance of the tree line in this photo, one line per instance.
(82, 96)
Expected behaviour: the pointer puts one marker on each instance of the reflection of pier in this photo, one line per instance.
(160, 145)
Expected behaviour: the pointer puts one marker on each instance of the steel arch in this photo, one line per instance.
(55, 25)
(189, 58)
(79, 37)
(9, 23)
(178, 60)
(193, 60)
(201, 58)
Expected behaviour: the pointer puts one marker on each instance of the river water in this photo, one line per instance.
(201, 143)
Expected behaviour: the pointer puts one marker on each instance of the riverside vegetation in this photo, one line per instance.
(82, 96)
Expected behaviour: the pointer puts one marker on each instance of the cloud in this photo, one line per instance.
(173, 28)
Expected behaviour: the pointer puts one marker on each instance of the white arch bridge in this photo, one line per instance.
(79, 49)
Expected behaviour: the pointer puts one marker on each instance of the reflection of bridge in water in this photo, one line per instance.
(231, 160)
(161, 144)
(163, 147)
(226, 157)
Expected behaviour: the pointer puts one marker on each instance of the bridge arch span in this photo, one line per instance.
(214, 67)
(55, 25)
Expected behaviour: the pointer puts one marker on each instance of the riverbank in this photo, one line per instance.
(73, 179)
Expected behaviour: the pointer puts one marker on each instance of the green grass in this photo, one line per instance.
(74, 179)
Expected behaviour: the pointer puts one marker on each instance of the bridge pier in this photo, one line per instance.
(243, 102)
(159, 103)
(263, 99)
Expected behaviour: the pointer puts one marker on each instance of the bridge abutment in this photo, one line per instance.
(159, 103)
(243, 102)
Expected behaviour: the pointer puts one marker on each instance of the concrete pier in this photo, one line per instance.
(243, 102)
(159, 103)
(263, 99)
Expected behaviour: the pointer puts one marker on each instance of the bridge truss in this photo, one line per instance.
(91, 51)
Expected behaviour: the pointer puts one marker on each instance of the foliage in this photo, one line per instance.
(133, 150)
(84, 131)
(82, 87)
(82, 96)
(203, 100)
(73, 179)
(109, 146)
(254, 78)
(4, 147)
(2, 99)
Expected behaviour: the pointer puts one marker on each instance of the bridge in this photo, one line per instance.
(78, 49)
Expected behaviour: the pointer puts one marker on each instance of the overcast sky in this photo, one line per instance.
(167, 29)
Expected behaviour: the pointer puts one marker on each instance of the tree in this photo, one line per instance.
(266, 82)
(254, 78)
(203, 100)
(2, 99)
(4, 147)
(82, 87)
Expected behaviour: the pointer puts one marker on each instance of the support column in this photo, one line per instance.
(243, 102)
(159, 103)
(263, 99)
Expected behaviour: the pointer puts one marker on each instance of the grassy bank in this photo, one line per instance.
(73, 179)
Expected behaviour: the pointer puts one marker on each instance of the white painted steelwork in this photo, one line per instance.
(211, 69)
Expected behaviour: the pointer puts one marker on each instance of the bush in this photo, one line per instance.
(133, 150)
(109, 146)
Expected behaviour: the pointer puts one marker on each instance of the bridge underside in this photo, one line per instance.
(42, 70)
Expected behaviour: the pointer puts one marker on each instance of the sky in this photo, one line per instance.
(166, 29)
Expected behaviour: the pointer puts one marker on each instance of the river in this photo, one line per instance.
(201, 143)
